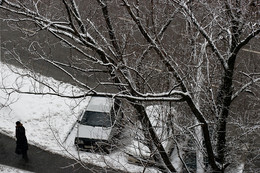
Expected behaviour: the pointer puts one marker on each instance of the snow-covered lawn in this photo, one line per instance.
(49, 119)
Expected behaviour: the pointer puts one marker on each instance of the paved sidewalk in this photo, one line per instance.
(41, 161)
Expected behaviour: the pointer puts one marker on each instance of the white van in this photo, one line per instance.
(97, 125)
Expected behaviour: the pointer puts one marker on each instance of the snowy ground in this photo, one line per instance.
(49, 119)
(8, 169)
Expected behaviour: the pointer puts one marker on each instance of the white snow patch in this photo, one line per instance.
(8, 169)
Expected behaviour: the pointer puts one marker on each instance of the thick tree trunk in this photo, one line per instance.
(223, 102)
(197, 98)
(161, 156)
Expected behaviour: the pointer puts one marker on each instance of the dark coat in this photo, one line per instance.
(21, 142)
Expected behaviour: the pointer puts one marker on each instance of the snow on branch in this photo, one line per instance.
(109, 26)
(158, 48)
(247, 39)
(214, 48)
(244, 87)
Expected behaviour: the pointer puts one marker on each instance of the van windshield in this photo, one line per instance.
(101, 119)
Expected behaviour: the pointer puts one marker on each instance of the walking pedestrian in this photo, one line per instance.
(21, 140)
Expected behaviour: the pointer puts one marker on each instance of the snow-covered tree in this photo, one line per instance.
(198, 57)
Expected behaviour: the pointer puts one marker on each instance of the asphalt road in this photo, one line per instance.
(41, 161)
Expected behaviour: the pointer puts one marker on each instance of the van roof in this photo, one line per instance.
(100, 104)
